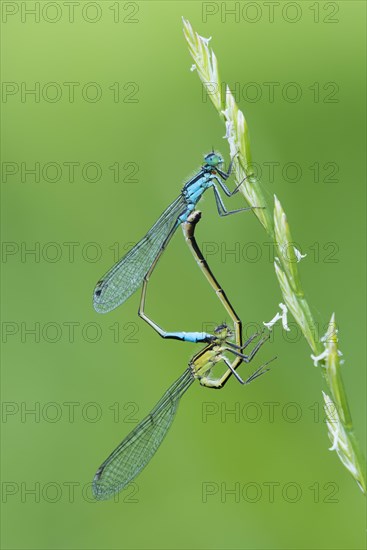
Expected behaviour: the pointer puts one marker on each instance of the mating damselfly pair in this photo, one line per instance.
(135, 268)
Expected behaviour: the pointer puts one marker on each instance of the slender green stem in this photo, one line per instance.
(325, 350)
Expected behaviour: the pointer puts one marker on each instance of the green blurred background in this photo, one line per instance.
(288, 490)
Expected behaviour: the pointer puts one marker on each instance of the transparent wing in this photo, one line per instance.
(125, 277)
(137, 449)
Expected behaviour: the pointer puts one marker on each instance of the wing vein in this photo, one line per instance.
(139, 446)
(125, 277)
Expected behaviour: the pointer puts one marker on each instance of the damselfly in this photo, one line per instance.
(126, 276)
(137, 449)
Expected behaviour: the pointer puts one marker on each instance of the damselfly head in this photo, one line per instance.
(213, 159)
(223, 331)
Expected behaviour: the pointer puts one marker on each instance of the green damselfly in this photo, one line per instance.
(137, 449)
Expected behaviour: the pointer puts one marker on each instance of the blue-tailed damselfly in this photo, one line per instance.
(126, 276)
